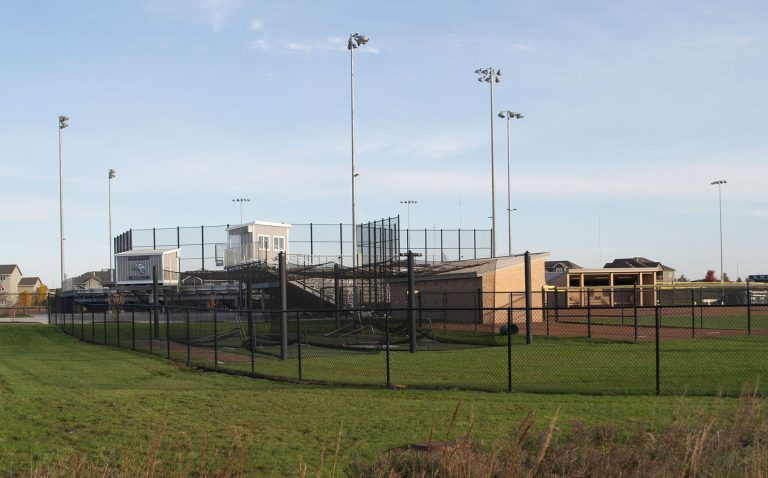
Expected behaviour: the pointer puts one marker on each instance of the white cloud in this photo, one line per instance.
(211, 12)
(256, 24)
(521, 46)
(261, 44)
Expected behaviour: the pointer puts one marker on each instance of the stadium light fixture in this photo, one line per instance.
(719, 183)
(508, 115)
(491, 76)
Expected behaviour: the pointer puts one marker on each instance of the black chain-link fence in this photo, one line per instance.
(713, 350)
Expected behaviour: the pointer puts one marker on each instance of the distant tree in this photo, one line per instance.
(710, 277)
(726, 278)
(41, 294)
(25, 299)
(682, 278)
(738, 279)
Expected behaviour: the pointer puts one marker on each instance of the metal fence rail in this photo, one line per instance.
(638, 350)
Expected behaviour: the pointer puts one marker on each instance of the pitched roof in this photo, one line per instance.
(30, 281)
(567, 264)
(636, 262)
(8, 268)
(101, 276)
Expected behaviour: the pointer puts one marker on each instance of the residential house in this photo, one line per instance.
(10, 275)
(666, 274)
(29, 284)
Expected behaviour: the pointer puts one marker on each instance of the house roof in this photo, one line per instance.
(567, 264)
(616, 270)
(29, 281)
(101, 276)
(636, 262)
(144, 252)
(8, 268)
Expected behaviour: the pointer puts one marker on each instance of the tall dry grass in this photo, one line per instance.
(692, 445)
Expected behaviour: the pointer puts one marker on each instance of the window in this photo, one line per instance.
(278, 243)
(263, 242)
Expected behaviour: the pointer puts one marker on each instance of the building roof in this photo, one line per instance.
(566, 264)
(468, 268)
(101, 276)
(616, 270)
(8, 268)
(636, 262)
(26, 281)
(258, 223)
(144, 252)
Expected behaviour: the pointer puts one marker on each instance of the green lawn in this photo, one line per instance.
(684, 317)
(61, 395)
(704, 366)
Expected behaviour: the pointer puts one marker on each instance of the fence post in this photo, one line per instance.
(634, 307)
(167, 333)
(117, 316)
(283, 306)
(528, 300)
(150, 318)
(386, 340)
(411, 304)
(133, 329)
(215, 341)
(93, 327)
(251, 337)
(509, 349)
(693, 314)
(749, 311)
(701, 308)
(557, 305)
(589, 316)
(298, 340)
(658, 362)
(82, 324)
(155, 301)
(105, 326)
(186, 334)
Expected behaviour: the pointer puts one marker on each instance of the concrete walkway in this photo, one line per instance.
(35, 319)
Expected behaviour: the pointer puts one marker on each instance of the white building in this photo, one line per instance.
(257, 241)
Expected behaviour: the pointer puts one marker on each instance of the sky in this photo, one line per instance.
(632, 109)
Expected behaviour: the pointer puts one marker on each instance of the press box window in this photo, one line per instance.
(278, 243)
(263, 242)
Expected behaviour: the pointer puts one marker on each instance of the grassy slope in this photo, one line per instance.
(58, 395)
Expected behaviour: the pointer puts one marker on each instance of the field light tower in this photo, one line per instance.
(110, 176)
(63, 123)
(408, 203)
(491, 76)
(719, 183)
(241, 201)
(508, 115)
(356, 40)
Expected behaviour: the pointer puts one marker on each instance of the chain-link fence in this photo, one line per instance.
(637, 350)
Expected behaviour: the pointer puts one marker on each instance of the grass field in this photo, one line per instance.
(704, 366)
(60, 395)
(683, 317)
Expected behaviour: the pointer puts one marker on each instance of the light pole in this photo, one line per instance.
(241, 201)
(356, 40)
(63, 123)
(111, 176)
(508, 115)
(491, 76)
(408, 203)
(719, 184)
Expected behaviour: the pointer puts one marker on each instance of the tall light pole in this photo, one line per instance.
(356, 40)
(63, 123)
(241, 201)
(408, 203)
(719, 183)
(110, 177)
(508, 115)
(491, 76)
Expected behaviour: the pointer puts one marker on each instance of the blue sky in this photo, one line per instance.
(632, 109)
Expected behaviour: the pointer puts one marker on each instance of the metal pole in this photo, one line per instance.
(61, 209)
(251, 335)
(167, 333)
(354, 217)
(109, 183)
(693, 314)
(634, 303)
(493, 175)
(509, 349)
(215, 341)
(298, 341)
(283, 307)
(133, 330)
(411, 303)
(589, 316)
(658, 361)
(509, 196)
(749, 311)
(386, 339)
(720, 208)
(528, 300)
(186, 334)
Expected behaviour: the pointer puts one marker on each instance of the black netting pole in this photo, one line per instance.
(186, 333)
(693, 314)
(749, 311)
(105, 326)
(133, 329)
(528, 300)
(117, 317)
(283, 306)
(251, 335)
(298, 341)
(216, 341)
(386, 340)
(634, 307)
(589, 316)
(411, 304)
(82, 323)
(167, 333)
(658, 361)
(509, 349)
